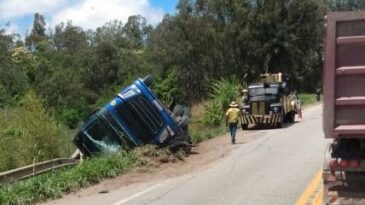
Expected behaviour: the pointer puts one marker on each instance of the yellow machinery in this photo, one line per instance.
(269, 102)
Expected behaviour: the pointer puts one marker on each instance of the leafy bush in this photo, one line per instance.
(71, 117)
(168, 89)
(29, 133)
(223, 92)
(213, 114)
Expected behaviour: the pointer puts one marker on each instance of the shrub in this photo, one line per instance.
(29, 133)
(168, 89)
(213, 115)
(71, 117)
(223, 92)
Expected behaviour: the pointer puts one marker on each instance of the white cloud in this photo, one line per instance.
(11, 28)
(18, 8)
(86, 13)
(94, 13)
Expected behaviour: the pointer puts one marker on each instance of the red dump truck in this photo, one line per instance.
(344, 108)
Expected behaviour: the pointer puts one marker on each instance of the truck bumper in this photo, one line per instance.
(262, 119)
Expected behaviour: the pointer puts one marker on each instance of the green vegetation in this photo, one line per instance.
(223, 92)
(53, 185)
(201, 135)
(28, 133)
(51, 80)
(70, 71)
(307, 98)
(91, 171)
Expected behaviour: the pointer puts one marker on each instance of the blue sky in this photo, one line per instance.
(85, 13)
(167, 5)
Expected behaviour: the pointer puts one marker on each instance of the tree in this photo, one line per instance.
(112, 32)
(344, 5)
(38, 32)
(69, 38)
(136, 31)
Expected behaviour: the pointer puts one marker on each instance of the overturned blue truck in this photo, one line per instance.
(133, 118)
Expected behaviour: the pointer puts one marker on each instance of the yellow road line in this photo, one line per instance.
(310, 189)
(319, 197)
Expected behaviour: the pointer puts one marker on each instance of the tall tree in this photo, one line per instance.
(38, 32)
(136, 30)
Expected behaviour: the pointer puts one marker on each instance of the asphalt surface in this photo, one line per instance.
(274, 169)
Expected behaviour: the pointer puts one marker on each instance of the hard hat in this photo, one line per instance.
(233, 104)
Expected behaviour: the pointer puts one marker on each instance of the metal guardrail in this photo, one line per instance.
(35, 169)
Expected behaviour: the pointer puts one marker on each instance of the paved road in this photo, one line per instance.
(274, 169)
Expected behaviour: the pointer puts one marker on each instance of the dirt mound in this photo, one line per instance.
(155, 156)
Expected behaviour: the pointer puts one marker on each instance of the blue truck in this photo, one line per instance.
(133, 118)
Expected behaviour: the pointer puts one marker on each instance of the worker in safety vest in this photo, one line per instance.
(233, 117)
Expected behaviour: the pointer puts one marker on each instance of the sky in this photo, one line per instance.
(17, 15)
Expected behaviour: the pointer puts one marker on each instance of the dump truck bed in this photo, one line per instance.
(344, 75)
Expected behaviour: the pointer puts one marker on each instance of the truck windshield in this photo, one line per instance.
(102, 135)
(262, 91)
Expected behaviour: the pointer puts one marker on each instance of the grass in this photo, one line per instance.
(307, 98)
(53, 185)
(199, 131)
(198, 136)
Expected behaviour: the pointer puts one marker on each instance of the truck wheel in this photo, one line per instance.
(291, 117)
(279, 125)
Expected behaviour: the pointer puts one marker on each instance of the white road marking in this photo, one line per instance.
(123, 201)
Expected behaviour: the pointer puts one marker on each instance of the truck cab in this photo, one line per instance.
(134, 117)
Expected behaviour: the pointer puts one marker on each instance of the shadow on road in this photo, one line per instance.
(267, 127)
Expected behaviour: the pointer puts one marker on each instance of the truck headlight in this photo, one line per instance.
(292, 103)
(246, 110)
(275, 109)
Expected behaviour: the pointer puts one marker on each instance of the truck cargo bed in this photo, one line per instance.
(344, 75)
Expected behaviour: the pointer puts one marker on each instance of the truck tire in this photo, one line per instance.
(291, 117)
(280, 124)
